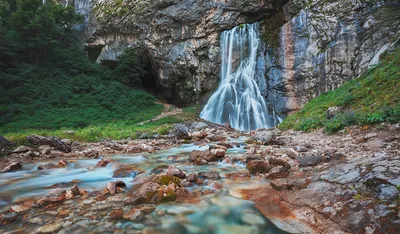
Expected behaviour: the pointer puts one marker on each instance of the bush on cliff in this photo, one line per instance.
(370, 99)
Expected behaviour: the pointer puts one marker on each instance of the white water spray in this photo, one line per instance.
(238, 99)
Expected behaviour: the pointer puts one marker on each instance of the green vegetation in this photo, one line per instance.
(48, 85)
(370, 99)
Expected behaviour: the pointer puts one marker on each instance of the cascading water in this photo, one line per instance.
(238, 100)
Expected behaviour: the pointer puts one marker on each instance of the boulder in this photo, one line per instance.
(219, 153)
(180, 131)
(192, 178)
(47, 166)
(93, 154)
(133, 215)
(51, 141)
(5, 146)
(258, 166)
(199, 135)
(57, 195)
(103, 162)
(172, 170)
(263, 138)
(198, 126)
(16, 166)
(124, 171)
(278, 172)
(212, 175)
(206, 155)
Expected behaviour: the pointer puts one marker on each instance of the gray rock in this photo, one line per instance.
(51, 141)
(212, 175)
(180, 131)
(309, 160)
(388, 192)
(333, 111)
(198, 126)
(22, 149)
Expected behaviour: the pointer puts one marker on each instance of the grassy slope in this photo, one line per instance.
(370, 99)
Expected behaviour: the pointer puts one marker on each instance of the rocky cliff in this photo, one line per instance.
(310, 46)
(179, 40)
(324, 45)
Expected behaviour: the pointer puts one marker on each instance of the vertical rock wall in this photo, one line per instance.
(326, 44)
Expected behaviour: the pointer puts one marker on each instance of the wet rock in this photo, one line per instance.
(309, 160)
(192, 178)
(279, 162)
(50, 228)
(124, 171)
(278, 172)
(333, 111)
(93, 154)
(180, 131)
(21, 149)
(12, 167)
(57, 195)
(172, 170)
(75, 190)
(212, 175)
(159, 169)
(8, 218)
(20, 208)
(200, 161)
(205, 155)
(258, 166)
(219, 153)
(147, 208)
(215, 184)
(241, 175)
(52, 141)
(112, 188)
(62, 164)
(103, 162)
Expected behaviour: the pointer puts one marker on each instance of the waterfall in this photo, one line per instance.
(238, 99)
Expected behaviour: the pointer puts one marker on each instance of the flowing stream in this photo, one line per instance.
(238, 99)
(217, 211)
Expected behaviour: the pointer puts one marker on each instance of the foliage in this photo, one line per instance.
(48, 86)
(130, 70)
(370, 99)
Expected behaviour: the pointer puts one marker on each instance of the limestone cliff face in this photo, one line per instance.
(324, 45)
(320, 44)
(179, 38)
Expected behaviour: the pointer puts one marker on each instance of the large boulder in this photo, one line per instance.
(198, 155)
(258, 167)
(52, 141)
(180, 131)
(5, 146)
(12, 167)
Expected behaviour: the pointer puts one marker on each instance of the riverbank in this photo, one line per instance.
(300, 182)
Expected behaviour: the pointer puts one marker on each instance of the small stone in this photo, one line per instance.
(258, 166)
(116, 214)
(147, 208)
(50, 228)
(213, 175)
(112, 188)
(12, 167)
(278, 172)
(174, 171)
(103, 162)
(192, 178)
